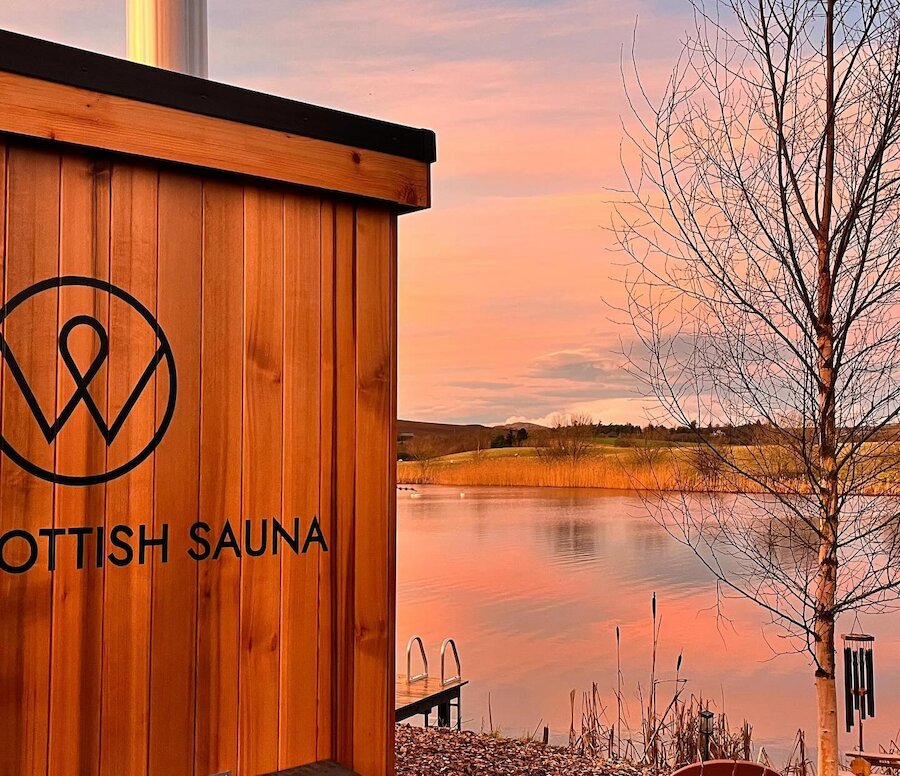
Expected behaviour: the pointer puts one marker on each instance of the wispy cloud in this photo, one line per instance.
(583, 365)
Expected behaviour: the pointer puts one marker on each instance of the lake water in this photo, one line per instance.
(532, 582)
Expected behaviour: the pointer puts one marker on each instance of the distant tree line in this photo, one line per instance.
(512, 438)
(573, 436)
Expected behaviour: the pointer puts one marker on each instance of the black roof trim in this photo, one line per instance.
(48, 61)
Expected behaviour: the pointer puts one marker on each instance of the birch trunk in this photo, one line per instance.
(826, 578)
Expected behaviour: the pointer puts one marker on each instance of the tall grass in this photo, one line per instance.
(617, 469)
(669, 733)
(686, 469)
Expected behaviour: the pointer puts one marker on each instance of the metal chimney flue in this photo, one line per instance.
(171, 34)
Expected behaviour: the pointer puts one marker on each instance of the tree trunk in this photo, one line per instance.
(826, 576)
(826, 700)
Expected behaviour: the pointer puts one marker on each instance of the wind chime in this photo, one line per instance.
(859, 680)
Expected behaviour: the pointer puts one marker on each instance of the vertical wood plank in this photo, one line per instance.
(262, 479)
(325, 748)
(176, 502)
(392, 497)
(80, 449)
(129, 499)
(299, 574)
(345, 477)
(373, 553)
(220, 475)
(26, 502)
(10, 591)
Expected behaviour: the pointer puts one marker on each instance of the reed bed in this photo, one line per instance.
(601, 471)
(669, 739)
(687, 469)
(614, 470)
(670, 732)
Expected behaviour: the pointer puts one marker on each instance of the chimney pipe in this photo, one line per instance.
(170, 34)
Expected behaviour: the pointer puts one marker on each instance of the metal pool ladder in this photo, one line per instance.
(409, 674)
(458, 675)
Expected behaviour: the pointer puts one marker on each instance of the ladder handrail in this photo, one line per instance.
(458, 676)
(418, 677)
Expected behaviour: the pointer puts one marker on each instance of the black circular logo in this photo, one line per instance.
(82, 377)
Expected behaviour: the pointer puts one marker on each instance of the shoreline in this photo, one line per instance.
(411, 485)
(422, 751)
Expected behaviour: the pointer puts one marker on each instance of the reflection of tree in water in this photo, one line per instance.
(572, 538)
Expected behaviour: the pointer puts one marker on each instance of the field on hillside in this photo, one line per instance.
(689, 468)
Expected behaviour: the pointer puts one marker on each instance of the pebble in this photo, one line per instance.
(441, 752)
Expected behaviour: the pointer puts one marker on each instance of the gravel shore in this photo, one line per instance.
(435, 752)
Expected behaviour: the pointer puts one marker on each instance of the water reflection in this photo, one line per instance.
(532, 583)
(573, 540)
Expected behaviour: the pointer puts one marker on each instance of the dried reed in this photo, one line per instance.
(683, 469)
(670, 733)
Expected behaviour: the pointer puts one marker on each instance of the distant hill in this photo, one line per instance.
(420, 438)
(422, 427)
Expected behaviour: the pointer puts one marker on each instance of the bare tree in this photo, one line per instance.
(425, 450)
(763, 227)
(706, 466)
(570, 439)
(649, 449)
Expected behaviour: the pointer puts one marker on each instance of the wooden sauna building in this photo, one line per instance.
(197, 398)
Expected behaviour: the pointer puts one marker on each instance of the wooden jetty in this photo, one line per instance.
(426, 695)
(422, 694)
(861, 763)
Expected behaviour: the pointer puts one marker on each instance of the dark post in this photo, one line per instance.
(706, 722)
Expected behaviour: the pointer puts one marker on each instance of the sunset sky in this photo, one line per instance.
(507, 286)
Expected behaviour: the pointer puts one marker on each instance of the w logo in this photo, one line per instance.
(83, 377)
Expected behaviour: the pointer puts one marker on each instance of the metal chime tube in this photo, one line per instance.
(870, 674)
(171, 34)
(848, 688)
